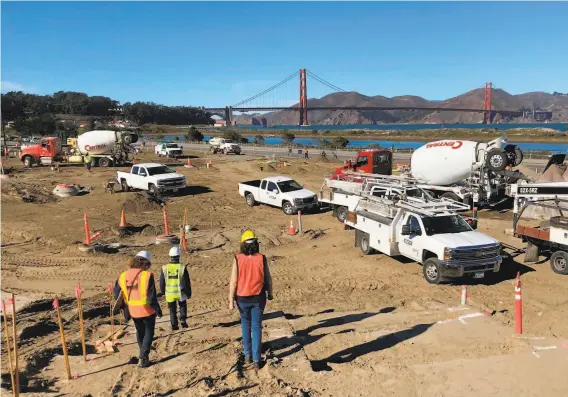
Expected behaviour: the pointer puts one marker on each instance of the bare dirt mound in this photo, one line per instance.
(27, 192)
(141, 203)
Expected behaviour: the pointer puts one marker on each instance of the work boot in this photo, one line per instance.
(256, 365)
(144, 363)
(184, 324)
(248, 359)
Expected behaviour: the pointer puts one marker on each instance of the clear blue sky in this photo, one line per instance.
(219, 53)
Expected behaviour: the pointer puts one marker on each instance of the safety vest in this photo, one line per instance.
(134, 286)
(88, 159)
(250, 271)
(173, 272)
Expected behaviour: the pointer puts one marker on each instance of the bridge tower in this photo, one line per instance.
(487, 103)
(303, 98)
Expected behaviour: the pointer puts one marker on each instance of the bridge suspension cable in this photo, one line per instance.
(324, 82)
(295, 74)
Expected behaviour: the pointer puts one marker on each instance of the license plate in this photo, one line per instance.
(479, 275)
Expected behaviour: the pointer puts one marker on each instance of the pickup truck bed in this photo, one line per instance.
(253, 183)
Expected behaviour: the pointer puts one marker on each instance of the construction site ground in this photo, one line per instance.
(341, 323)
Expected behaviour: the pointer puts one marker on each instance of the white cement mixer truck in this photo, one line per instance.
(467, 171)
(107, 148)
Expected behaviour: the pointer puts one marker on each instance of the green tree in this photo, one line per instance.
(315, 132)
(194, 135)
(259, 140)
(36, 125)
(323, 143)
(287, 138)
(340, 142)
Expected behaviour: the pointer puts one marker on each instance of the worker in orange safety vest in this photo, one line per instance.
(138, 290)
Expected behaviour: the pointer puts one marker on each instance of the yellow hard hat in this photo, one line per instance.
(248, 235)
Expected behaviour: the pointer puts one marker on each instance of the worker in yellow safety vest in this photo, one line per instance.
(88, 161)
(136, 285)
(176, 286)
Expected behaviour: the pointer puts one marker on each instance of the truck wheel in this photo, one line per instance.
(452, 196)
(497, 160)
(250, 199)
(152, 189)
(29, 162)
(124, 185)
(341, 213)
(366, 244)
(559, 262)
(104, 162)
(431, 270)
(288, 208)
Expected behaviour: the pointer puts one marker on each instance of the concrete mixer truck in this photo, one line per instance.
(107, 148)
(467, 171)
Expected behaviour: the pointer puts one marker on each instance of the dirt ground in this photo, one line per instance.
(340, 324)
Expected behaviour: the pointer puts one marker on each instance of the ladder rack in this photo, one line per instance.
(428, 207)
(359, 183)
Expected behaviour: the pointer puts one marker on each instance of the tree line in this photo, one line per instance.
(44, 114)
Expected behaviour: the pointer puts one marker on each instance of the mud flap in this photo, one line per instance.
(358, 235)
(532, 252)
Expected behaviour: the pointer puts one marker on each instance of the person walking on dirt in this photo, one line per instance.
(139, 294)
(88, 161)
(306, 154)
(290, 151)
(250, 286)
(176, 286)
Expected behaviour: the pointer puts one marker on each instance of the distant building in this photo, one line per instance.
(220, 123)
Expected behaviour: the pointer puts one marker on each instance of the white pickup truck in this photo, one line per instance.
(172, 150)
(153, 177)
(428, 231)
(279, 191)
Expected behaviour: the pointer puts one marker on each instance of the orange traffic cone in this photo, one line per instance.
(122, 219)
(188, 163)
(291, 229)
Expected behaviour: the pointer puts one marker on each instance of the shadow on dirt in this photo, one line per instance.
(381, 343)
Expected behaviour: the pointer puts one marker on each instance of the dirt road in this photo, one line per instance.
(341, 323)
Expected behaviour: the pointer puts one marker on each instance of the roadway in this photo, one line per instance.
(342, 155)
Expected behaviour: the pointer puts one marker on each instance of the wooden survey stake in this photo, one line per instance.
(81, 322)
(111, 304)
(12, 300)
(9, 348)
(63, 342)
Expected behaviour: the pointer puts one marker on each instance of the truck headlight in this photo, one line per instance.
(447, 254)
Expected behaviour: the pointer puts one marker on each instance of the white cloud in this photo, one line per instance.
(8, 86)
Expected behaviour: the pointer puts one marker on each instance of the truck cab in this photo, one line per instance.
(172, 150)
(41, 153)
(370, 161)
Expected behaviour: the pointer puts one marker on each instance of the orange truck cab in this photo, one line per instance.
(48, 149)
(370, 161)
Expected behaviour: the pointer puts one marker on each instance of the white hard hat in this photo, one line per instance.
(145, 254)
(174, 251)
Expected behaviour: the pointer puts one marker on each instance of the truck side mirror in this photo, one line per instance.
(405, 230)
(275, 191)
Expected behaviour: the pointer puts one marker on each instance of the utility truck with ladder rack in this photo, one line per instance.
(428, 231)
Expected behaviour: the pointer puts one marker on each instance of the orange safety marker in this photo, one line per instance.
(122, 219)
(88, 238)
(464, 295)
(62, 334)
(166, 224)
(9, 349)
(518, 305)
(291, 229)
(12, 301)
(81, 326)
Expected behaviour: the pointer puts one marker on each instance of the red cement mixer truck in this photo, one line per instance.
(107, 148)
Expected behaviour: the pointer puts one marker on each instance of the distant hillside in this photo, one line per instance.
(501, 99)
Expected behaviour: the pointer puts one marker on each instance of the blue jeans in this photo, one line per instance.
(251, 323)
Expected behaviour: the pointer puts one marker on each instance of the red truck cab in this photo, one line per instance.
(48, 148)
(370, 161)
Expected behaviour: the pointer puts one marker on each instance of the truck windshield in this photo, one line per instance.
(289, 186)
(445, 224)
(160, 170)
(172, 145)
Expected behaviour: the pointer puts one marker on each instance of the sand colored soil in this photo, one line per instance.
(341, 323)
